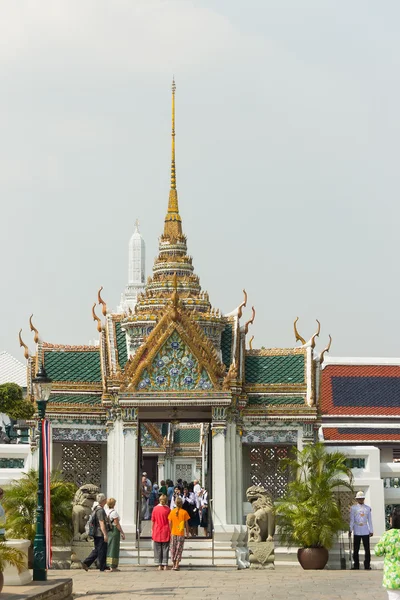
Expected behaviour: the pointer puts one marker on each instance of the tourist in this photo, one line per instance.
(176, 494)
(361, 526)
(115, 535)
(189, 504)
(100, 537)
(161, 533)
(145, 494)
(389, 547)
(153, 499)
(179, 484)
(204, 512)
(178, 522)
(170, 490)
(148, 482)
(197, 491)
(2, 518)
(163, 491)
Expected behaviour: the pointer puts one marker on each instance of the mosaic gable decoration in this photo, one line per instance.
(175, 368)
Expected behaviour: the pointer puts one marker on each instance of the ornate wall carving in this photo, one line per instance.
(81, 463)
(270, 436)
(74, 434)
(266, 468)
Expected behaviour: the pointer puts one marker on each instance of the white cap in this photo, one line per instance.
(360, 495)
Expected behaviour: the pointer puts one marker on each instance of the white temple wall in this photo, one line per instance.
(368, 480)
(17, 458)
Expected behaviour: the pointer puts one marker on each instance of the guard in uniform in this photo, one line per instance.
(361, 526)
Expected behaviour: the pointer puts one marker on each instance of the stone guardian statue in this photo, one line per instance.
(261, 528)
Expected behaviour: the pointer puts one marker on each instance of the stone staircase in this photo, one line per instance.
(196, 553)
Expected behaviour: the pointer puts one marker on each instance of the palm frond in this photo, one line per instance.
(309, 514)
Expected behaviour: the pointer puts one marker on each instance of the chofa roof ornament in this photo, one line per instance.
(326, 349)
(33, 328)
(250, 321)
(101, 301)
(96, 318)
(296, 333)
(23, 345)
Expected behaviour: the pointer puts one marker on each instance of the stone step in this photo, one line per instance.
(186, 562)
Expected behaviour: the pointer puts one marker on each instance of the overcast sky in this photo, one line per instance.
(287, 160)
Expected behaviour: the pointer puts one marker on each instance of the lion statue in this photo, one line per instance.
(261, 522)
(82, 508)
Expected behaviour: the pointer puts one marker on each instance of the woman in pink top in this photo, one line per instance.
(160, 533)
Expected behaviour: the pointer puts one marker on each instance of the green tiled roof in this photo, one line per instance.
(75, 399)
(69, 365)
(275, 369)
(226, 345)
(275, 401)
(187, 436)
(121, 345)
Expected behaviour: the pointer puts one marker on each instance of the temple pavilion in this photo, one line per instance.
(173, 387)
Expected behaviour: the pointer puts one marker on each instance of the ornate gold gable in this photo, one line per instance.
(175, 339)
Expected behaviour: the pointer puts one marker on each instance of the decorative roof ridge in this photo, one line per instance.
(276, 351)
(175, 317)
(75, 393)
(69, 348)
(360, 360)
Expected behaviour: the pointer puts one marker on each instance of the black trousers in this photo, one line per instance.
(357, 542)
(99, 552)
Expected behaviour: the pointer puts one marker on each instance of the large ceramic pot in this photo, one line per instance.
(312, 558)
(1, 581)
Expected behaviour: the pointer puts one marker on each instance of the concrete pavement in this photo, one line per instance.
(196, 584)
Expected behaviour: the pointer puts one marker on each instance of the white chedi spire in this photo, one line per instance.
(136, 271)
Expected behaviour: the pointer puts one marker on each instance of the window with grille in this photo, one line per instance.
(266, 468)
(81, 463)
(356, 463)
(396, 454)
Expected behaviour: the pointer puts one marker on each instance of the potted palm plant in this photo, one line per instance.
(309, 515)
(11, 556)
(20, 502)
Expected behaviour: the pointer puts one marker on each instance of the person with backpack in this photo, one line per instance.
(99, 528)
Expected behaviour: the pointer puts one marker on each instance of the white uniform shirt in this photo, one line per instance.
(360, 519)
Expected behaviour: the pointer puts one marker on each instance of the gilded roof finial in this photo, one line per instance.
(251, 342)
(173, 170)
(96, 318)
(23, 345)
(101, 301)
(296, 333)
(328, 347)
(173, 226)
(244, 303)
(250, 321)
(33, 328)
(316, 334)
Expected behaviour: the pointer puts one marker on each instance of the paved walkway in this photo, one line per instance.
(282, 584)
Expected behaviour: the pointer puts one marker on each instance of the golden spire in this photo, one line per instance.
(173, 226)
(173, 171)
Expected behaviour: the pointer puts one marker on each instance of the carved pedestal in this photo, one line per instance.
(80, 551)
(262, 555)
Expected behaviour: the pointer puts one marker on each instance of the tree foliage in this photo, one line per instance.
(12, 402)
(20, 502)
(309, 515)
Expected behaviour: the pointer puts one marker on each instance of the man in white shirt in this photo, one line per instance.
(197, 492)
(361, 526)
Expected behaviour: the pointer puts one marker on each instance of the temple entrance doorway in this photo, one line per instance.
(175, 454)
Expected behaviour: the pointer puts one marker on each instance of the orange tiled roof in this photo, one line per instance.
(358, 390)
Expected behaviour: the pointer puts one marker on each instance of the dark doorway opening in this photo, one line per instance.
(171, 451)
